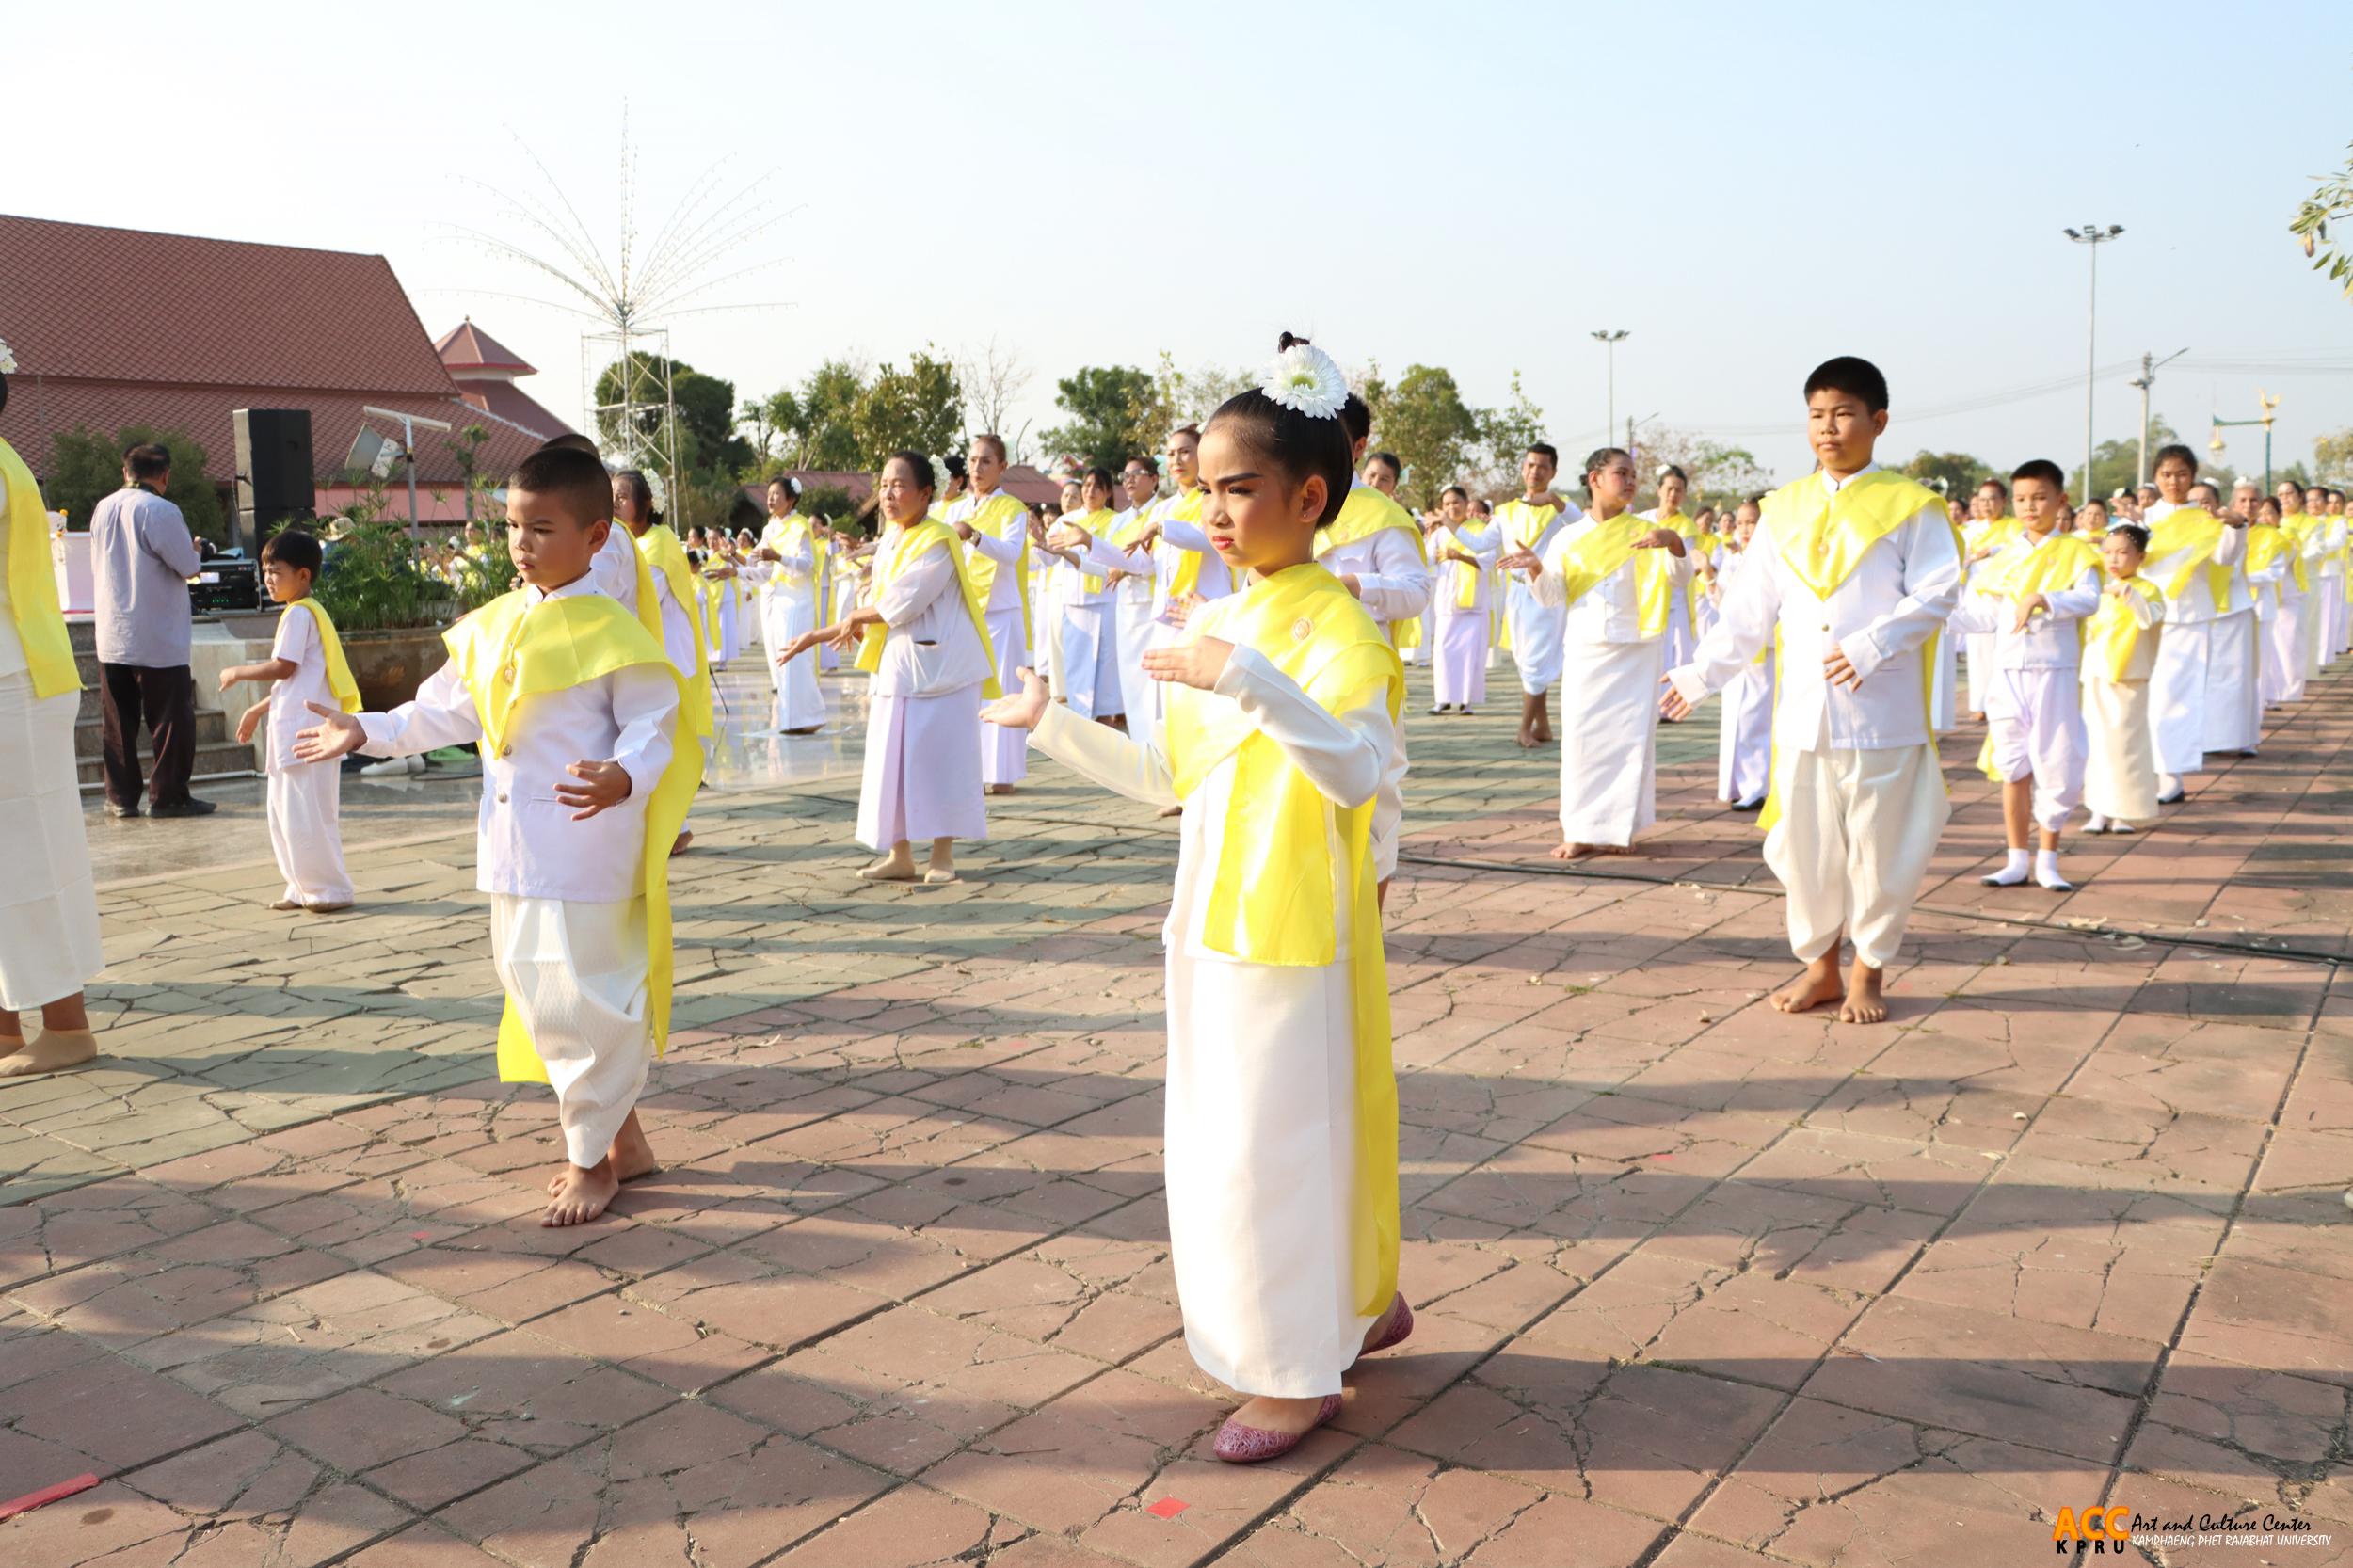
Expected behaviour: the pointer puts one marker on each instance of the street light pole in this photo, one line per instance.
(1610, 340)
(2263, 401)
(2094, 236)
(2149, 368)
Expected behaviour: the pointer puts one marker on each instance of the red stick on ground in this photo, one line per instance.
(46, 1494)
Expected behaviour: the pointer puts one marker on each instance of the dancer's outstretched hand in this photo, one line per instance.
(336, 734)
(1020, 710)
(1522, 560)
(1199, 662)
(1673, 706)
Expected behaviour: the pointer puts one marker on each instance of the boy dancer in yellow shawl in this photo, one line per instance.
(2028, 600)
(306, 665)
(585, 782)
(1856, 569)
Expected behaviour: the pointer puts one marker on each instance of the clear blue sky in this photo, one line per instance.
(1746, 190)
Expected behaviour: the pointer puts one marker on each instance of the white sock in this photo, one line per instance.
(2097, 825)
(2013, 871)
(2167, 786)
(2046, 871)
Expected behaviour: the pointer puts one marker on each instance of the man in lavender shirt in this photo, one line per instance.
(142, 558)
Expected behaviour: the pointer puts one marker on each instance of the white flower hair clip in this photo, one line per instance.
(8, 360)
(1306, 380)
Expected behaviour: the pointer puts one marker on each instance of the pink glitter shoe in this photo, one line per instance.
(1401, 1327)
(1241, 1445)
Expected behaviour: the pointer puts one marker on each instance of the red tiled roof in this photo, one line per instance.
(119, 327)
(125, 305)
(513, 405)
(466, 347)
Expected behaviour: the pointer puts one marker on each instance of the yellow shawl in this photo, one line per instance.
(1272, 898)
(339, 681)
(1605, 547)
(891, 559)
(987, 519)
(33, 581)
(659, 550)
(1822, 538)
(2194, 533)
(2111, 633)
(2267, 544)
(510, 650)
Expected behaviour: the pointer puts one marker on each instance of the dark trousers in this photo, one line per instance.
(166, 699)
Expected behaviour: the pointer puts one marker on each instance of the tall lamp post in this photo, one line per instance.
(2220, 425)
(1610, 340)
(2093, 235)
(2149, 366)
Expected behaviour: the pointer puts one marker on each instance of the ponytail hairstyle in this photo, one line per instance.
(1297, 445)
(638, 487)
(1596, 460)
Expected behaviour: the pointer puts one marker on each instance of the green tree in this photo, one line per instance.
(1111, 409)
(709, 448)
(1505, 435)
(465, 450)
(2116, 464)
(1952, 473)
(819, 420)
(1425, 423)
(85, 466)
(2332, 198)
(919, 408)
(2332, 458)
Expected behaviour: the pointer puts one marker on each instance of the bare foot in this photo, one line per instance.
(1000, 789)
(52, 1049)
(888, 869)
(1283, 1415)
(1573, 852)
(685, 837)
(579, 1194)
(632, 1155)
(1527, 741)
(1817, 987)
(1864, 1004)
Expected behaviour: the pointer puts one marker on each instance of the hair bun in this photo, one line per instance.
(1288, 341)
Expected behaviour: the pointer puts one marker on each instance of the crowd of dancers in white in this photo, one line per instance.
(1231, 651)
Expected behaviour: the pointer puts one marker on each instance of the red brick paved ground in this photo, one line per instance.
(1698, 1284)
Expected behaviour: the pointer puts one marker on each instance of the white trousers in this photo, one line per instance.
(1131, 614)
(1980, 654)
(1536, 633)
(2235, 709)
(2287, 651)
(1458, 657)
(1090, 660)
(2177, 698)
(923, 779)
(1856, 832)
(49, 946)
(1744, 737)
(305, 804)
(1945, 676)
(576, 973)
(2336, 630)
(799, 704)
(2120, 761)
(1261, 1167)
(2035, 722)
(1005, 753)
(1608, 730)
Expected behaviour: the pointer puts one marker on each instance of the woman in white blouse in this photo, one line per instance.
(920, 636)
